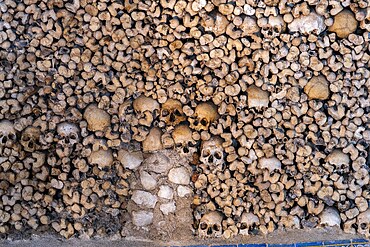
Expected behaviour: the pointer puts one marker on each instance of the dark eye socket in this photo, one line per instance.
(216, 227)
(243, 226)
(25, 138)
(203, 226)
(177, 113)
(204, 122)
(165, 113)
(218, 155)
(206, 153)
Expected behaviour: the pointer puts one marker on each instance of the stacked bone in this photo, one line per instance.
(267, 99)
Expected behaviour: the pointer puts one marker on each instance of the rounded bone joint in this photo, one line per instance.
(257, 97)
(97, 119)
(317, 88)
(344, 24)
(102, 158)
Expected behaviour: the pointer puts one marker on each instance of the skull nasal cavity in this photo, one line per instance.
(210, 159)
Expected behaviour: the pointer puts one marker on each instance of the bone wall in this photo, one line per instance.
(260, 107)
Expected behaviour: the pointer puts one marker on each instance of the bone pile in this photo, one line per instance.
(268, 101)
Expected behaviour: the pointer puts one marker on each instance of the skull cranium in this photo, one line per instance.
(210, 225)
(330, 217)
(248, 222)
(7, 133)
(205, 114)
(212, 154)
(275, 25)
(30, 138)
(185, 144)
(146, 110)
(68, 135)
(364, 223)
(172, 113)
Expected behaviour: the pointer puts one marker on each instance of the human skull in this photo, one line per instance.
(212, 154)
(97, 119)
(363, 223)
(247, 223)
(249, 26)
(68, 133)
(257, 98)
(274, 27)
(216, 24)
(185, 144)
(205, 114)
(271, 168)
(338, 158)
(306, 24)
(172, 113)
(210, 225)
(8, 134)
(329, 217)
(146, 110)
(68, 136)
(30, 138)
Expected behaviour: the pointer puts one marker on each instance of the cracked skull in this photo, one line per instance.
(210, 225)
(146, 110)
(205, 114)
(172, 113)
(7, 133)
(212, 154)
(30, 138)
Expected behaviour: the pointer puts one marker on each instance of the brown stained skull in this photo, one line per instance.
(184, 142)
(7, 133)
(30, 138)
(210, 225)
(212, 154)
(172, 113)
(205, 114)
